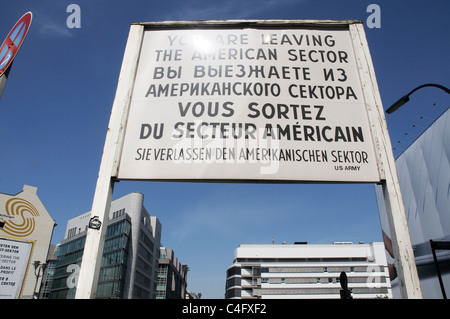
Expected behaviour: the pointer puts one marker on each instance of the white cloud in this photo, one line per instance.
(51, 25)
(54, 29)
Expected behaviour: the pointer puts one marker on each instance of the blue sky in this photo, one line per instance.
(55, 110)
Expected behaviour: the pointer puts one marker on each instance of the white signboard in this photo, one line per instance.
(270, 101)
(248, 104)
(14, 258)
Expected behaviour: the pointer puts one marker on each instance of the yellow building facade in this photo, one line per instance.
(26, 230)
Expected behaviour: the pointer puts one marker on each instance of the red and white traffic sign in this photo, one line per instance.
(13, 41)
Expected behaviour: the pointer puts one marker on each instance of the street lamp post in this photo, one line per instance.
(405, 98)
(39, 269)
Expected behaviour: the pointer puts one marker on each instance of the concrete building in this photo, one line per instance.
(130, 256)
(192, 295)
(26, 229)
(302, 271)
(172, 275)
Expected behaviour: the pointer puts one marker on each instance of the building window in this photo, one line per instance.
(71, 232)
(118, 213)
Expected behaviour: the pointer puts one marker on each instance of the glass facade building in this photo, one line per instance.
(114, 262)
(68, 261)
(129, 264)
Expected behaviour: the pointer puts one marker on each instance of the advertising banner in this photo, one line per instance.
(14, 257)
(248, 104)
(424, 172)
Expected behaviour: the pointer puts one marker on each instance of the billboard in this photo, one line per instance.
(14, 258)
(259, 104)
(424, 176)
(24, 220)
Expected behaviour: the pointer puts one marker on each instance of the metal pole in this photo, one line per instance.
(3, 79)
(39, 270)
(405, 98)
(2, 83)
(345, 292)
(432, 244)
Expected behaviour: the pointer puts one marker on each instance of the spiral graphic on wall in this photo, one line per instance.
(24, 213)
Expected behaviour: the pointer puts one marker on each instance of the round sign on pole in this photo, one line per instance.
(13, 41)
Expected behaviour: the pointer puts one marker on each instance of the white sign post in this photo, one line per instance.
(401, 241)
(93, 249)
(272, 101)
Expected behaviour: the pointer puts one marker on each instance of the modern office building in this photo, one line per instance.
(172, 275)
(424, 176)
(303, 271)
(129, 266)
(44, 289)
(26, 229)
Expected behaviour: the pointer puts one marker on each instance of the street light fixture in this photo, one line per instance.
(405, 98)
(39, 269)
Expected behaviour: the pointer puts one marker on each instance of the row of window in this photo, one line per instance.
(118, 242)
(257, 271)
(143, 279)
(140, 292)
(302, 260)
(161, 282)
(117, 229)
(70, 246)
(71, 232)
(110, 289)
(321, 280)
(146, 240)
(237, 281)
(118, 213)
(111, 273)
(316, 291)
